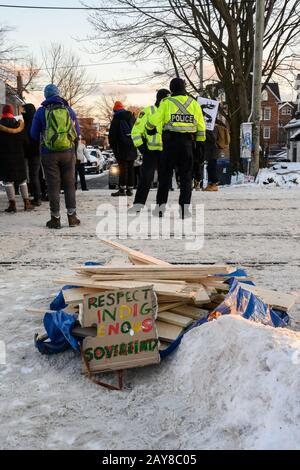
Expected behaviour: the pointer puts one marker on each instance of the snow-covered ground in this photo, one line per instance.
(231, 385)
(280, 175)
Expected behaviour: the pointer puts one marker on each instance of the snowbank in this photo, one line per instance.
(280, 175)
(240, 385)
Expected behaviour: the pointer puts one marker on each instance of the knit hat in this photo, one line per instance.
(118, 106)
(51, 90)
(161, 94)
(177, 86)
(8, 109)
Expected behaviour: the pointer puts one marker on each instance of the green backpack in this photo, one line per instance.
(60, 132)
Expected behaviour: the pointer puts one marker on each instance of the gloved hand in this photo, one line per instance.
(143, 149)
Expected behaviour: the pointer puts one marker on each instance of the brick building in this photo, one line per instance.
(275, 115)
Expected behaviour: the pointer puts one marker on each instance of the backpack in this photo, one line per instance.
(125, 133)
(223, 139)
(60, 132)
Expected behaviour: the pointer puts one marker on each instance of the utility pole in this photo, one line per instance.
(201, 72)
(257, 82)
(20, 87)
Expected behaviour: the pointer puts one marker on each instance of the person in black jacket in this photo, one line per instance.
(123, 148)
(12, 161)
(32, 154)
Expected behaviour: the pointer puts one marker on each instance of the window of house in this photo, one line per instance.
(284, 111)
(288, 111)
(267, 133)
(265, 95)
(267, 114)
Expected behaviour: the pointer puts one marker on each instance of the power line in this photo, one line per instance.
(34, 7)
(94, 65)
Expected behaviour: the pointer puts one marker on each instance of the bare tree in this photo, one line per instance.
(104, 107)
(64, 70)
(7, 54)
(224, 28)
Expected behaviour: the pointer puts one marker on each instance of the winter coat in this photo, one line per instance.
(122, 151)
(39, 121)
(31, 147)
(223, 140)
(81, 153)
(12, 161)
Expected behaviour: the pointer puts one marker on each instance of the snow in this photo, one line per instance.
(280, 175)
(232, 384)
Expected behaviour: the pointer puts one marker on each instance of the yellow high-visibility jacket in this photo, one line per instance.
(139, 134)
(179, 114)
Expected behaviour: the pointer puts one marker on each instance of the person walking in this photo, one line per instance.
(32, 155)
(81, 155)
(12, 161)
(150, 147)
(183, 126)
(56, 125)
(122, 145)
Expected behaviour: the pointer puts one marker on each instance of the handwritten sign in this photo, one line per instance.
(210, 111)
(126, 333)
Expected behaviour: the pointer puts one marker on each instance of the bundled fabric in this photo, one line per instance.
(59, 338)
(241, 302)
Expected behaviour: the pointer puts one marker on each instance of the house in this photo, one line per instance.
(10, 96)
(293, 139)
(275, 116)
(293, 130)
(89, 129)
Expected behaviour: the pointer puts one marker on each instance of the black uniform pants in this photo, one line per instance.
(79, 170)
(126, 175)
(178, 153)
(151, 159)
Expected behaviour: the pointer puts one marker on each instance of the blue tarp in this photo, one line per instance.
(239, 301)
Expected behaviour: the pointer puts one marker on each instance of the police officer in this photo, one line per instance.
(151, 147)
(183, 127)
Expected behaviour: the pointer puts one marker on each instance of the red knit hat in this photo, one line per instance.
(118, 106)
(8, 109)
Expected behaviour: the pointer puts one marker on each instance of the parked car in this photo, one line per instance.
(95, 163)
(109, 159)
(281, 157)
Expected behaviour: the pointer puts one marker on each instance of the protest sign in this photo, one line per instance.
(126, 333)
(210, 111)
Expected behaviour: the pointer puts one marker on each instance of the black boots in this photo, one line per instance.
(12, 209)
(121, 192)
(54, 223)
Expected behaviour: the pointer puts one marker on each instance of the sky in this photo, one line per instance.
(36, 29)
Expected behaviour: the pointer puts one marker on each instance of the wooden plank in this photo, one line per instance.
(168, 333)
(175, 319)
(275, 299)
(136, 254)
(190, 311)
(73, 296)
(174, 291)
(168, 306)
(163, 346)
(197, 270)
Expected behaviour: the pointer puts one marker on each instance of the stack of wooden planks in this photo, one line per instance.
(185, 293)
